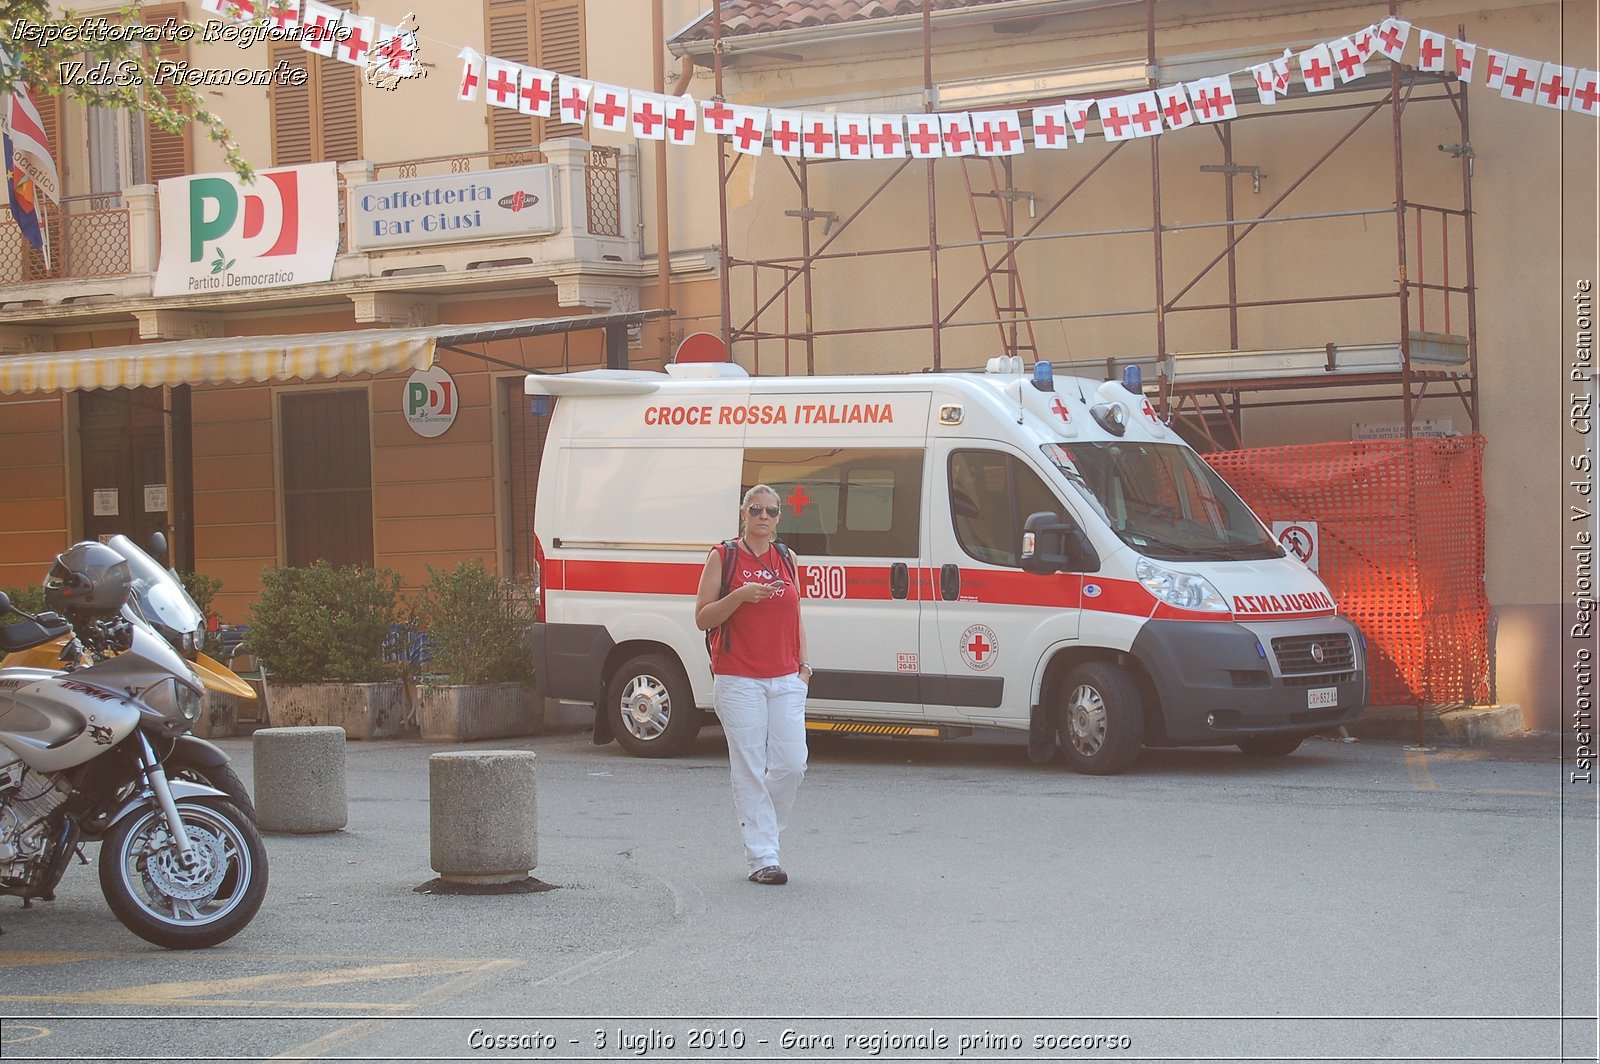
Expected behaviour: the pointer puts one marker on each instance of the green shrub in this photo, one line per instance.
(321, 624)
(202, 589)
(477, 625)
(26, 599)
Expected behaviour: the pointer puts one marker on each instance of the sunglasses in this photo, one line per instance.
(770, 511)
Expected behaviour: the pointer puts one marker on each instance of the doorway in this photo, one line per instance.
(122, 448)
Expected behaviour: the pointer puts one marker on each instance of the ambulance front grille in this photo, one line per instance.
(1298, 654)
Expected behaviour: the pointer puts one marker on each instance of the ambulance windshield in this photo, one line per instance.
(1163, 500)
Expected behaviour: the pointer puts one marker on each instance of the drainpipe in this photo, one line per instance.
(658, 42)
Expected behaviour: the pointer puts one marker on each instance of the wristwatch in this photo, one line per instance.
(806, 665)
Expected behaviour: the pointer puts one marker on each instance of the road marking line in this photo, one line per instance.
(23, 960)
(1417, 765)
(361, 1029)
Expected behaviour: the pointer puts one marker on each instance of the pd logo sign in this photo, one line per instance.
(430, 402)
(219, 235)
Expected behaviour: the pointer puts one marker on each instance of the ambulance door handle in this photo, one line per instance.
(949, 582)
(899, 581)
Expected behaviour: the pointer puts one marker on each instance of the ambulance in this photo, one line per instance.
(994, 550)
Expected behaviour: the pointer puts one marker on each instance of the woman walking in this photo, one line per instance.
(758, 655)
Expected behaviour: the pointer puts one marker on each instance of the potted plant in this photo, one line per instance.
(479, 673)
(321, 632)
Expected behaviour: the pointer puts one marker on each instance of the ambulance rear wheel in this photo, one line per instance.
(1101, 722)
(1271, 745)
(652, 708)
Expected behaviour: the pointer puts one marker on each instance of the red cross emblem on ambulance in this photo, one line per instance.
(799, 500)
(1059, 408)
(979, 647)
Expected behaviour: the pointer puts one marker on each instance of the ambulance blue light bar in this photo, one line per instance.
(1132, 379)
(1044, 376)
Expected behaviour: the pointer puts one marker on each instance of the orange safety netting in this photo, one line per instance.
(1400, 525)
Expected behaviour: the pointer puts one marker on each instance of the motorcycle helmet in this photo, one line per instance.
(88, 577)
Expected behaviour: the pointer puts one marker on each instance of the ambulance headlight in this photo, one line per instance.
(1183, 590)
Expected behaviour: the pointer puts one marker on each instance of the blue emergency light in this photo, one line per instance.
(1132, 379)
(539, 405)
(1044, 376)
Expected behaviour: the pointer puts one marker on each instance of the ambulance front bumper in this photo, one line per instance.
(1222, 681)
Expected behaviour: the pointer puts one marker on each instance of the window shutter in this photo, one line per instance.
(560, 48)
(510, 37)
(166, 154)
(340, 106)
(292, 128)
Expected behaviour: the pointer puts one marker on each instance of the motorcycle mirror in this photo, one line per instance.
(5, 603)
(158, 547)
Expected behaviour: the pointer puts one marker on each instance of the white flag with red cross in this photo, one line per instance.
(535, 91)
(924, 136)
(683, 119)
(1466, 60)
(888, 136)
(1175, 106)
(319, 28)
(1494, 69)
(1126, 117)
(817, 139)
(787, 129)
(1392, 36)
(749, 129)
(648, 113)
(1347, 60)
(1266, 78)
(955, 131)
(1555, 86)
(997, 132)
(396, 51)
(358, 33)
(501, 85)
(574, 99)
(608, 108)
(282, 14)
(1212, 99)
(1365, 42)
(717, 117)
(1316, 68)
(1431, 51)
(1050, 128)
(1521, 79)
(1078, 112)
(1586, 93)
(238, 10)
(471, 75)
(855, 141)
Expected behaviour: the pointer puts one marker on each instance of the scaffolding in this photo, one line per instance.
(1415, 363)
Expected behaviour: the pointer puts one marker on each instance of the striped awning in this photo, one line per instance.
(229, 359)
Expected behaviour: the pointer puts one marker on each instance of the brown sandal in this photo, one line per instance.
(770, 876)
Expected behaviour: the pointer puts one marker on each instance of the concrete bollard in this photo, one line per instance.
(483, 816)
(300, 785)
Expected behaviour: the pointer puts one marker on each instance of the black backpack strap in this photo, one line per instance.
(788, 559)
(730, 558)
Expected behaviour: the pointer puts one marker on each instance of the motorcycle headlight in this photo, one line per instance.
(173, 700)
(1186, 591)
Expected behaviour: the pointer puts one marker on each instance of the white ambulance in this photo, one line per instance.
(975, 551)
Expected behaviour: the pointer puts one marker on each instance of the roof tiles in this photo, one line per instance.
(743, 17)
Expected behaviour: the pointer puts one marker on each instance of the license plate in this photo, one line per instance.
(1322, 698)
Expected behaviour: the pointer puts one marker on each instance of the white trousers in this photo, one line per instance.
(765, 724)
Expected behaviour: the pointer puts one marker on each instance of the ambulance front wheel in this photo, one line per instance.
(1101, 722)
(651, 707)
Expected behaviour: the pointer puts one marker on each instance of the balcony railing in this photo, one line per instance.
(89, 237)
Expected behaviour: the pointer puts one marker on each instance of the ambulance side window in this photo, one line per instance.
(843, 502)
(991, 495)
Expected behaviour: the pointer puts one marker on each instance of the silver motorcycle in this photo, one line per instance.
(181, 865)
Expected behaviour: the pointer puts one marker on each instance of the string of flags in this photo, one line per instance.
(532, 91)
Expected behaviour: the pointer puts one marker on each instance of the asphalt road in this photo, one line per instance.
(950, 901)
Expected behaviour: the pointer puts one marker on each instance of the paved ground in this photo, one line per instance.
(1353, 902)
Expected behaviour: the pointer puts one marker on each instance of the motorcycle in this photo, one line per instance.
(160, 599)
(181, 865)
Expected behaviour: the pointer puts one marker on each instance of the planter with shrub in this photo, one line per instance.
(322, 633)
(479, 683)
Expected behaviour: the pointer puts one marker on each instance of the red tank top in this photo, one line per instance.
(764, 636)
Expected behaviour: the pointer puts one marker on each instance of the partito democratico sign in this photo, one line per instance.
(218, 235)
(518, 201)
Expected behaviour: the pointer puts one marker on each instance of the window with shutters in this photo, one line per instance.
(327, 477)
(319, 121)
(542, 33)
(166, 154)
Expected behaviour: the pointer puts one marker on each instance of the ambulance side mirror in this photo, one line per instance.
(1051, 544)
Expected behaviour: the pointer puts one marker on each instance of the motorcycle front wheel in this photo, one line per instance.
(160, 900)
